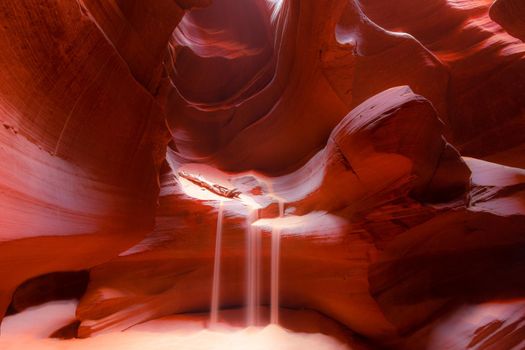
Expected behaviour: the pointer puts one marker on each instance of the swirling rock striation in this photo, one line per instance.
(355, 114)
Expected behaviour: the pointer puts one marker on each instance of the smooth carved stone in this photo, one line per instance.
(510, 14)
(382, 153)
(139, 31)
(324, 59)
(351, 113)
(81, 143)
(52, 286)
(485, 92)
(465, 256)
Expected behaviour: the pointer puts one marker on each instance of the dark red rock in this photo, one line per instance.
(308, 64)
(49, 287)
(510, 15)
(67, 332)
(485, 93)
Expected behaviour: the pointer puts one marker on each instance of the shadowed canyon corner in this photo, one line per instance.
(262, 174)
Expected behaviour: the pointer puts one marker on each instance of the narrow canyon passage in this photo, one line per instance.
(262, 174)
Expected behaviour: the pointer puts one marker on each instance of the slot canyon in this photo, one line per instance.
(262, 174)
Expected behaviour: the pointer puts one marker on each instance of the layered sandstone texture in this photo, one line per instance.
(391, 131)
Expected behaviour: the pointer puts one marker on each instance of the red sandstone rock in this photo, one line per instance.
(80, 145)
(387, 230)
(139, 31)
(49, 287)
(465, 256)
(325, 255)
(510, 15)
(309, 64)
(485, 94)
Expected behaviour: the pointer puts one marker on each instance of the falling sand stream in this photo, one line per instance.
(214, 313)
(276, 251)
(187, 332)
(253, 269)
(253, 243)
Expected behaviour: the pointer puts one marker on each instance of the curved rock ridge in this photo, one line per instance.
(368, 119)
(338, 219)
(509, 14)
(436, 277)
(485, 95)
(81, 137)
(139, 31)
(223, 52)
(330, 57)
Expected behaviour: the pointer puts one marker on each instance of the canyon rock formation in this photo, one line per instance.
(509, 14)
(392, 131)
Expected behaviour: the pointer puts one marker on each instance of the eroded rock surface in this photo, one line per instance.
(338, 219)
(354, 114)
(509, 14)
(81, 144)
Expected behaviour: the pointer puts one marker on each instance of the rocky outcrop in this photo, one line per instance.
(467, 256)
(45, 288)
(139, 31)
(81, 142)
(486, 67)
(330, 57)
(509, 14)
(363, 189)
